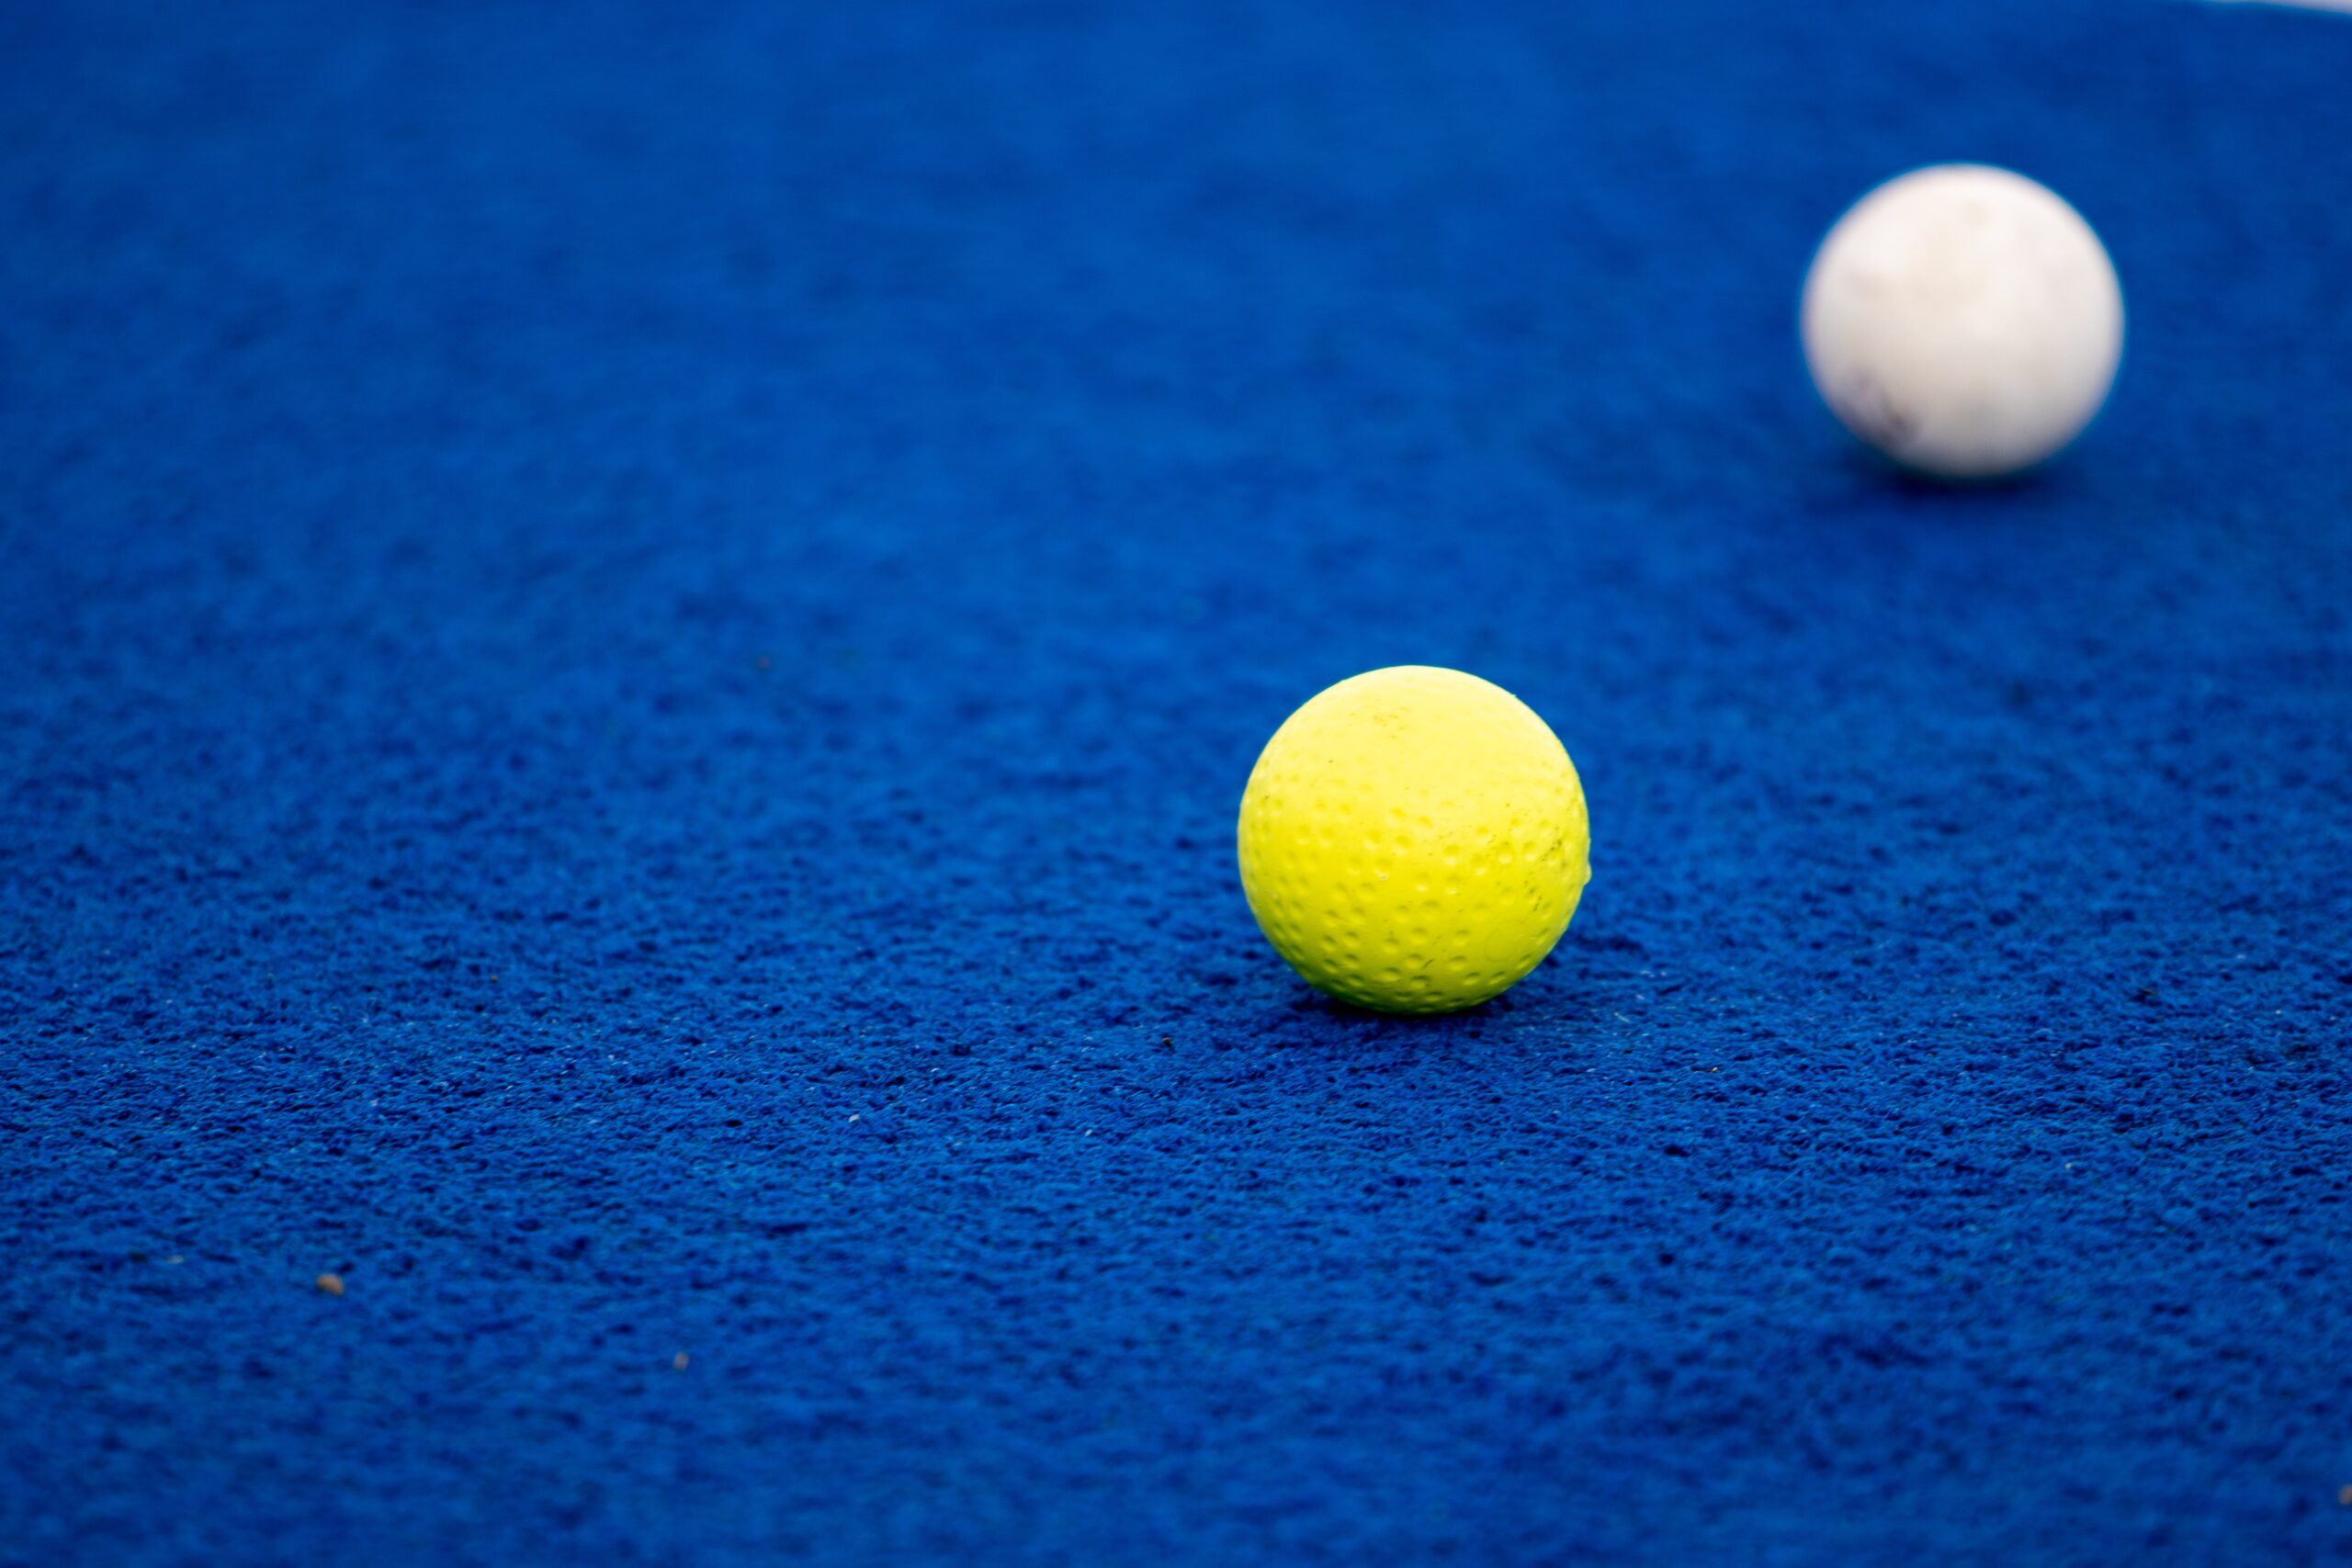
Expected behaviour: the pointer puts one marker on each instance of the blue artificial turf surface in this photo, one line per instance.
(631, 639)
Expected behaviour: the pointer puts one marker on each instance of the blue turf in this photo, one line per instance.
(631, 640)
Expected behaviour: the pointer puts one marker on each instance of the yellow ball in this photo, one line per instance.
(1414, 840)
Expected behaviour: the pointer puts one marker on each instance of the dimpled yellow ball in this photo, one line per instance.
(1414, 840)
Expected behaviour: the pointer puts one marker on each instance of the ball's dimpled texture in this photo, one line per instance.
(1964, 320)
(1414, 839)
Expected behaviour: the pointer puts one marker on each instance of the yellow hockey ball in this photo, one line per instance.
(1413, 839)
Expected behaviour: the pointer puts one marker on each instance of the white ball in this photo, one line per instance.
(1964, 320)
